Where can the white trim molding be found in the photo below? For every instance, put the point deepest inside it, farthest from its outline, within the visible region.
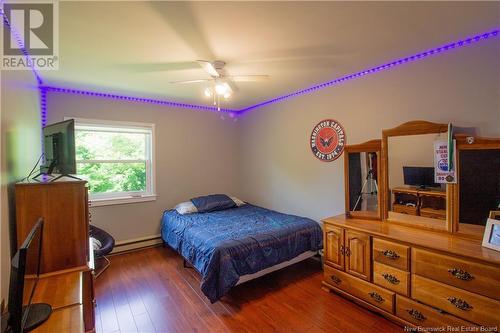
(116, 198)
(136, 243)
(128, 199)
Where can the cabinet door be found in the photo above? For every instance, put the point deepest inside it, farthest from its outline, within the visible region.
(358, 254)
(334, 243)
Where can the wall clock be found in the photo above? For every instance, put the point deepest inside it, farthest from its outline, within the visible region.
(328, 140)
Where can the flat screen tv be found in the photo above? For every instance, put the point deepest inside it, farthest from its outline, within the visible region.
(422, 177)
(59, 149)
(24, 315)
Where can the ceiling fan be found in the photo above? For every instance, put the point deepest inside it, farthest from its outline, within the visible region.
(222, 85)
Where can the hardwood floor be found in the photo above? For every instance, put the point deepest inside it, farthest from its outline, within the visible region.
(149, 291)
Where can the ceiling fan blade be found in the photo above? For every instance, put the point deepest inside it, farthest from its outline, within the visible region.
(248, 78)
(208, 67)
(182, 17)
(191, 81)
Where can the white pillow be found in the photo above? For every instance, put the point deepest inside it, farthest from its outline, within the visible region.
(186, 208)
(238, 202)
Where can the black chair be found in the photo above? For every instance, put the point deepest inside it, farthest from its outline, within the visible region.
(107, 244)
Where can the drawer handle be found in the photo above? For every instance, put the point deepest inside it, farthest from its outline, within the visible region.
(335, 279)
(376, 297)
(460, 303)
(460, 274)
(391, 278)
(342, 249)
(416, 314)
(347, 251)
(390, 254)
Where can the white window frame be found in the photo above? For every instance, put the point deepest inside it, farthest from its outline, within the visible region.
(115, 198)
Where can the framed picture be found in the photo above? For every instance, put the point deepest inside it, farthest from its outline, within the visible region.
(491, 238)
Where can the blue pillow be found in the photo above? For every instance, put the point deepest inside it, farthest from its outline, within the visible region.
(212, 203)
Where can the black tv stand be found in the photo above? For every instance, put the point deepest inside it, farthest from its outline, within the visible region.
(38, 314)
(49, 173)
(53, 178)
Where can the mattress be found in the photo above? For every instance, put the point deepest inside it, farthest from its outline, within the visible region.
(228, 244)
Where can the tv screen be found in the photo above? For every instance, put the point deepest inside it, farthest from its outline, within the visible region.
(25, 270)
(59, 148)
(419, 176)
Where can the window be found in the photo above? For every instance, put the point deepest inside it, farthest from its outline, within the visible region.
(117, 160)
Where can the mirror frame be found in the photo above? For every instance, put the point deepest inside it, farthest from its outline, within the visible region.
(369, 146)
(416, 127)
(479, 143)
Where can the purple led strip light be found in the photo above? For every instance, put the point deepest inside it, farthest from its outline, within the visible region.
(392, 64)
(43, 106)
(45, 89)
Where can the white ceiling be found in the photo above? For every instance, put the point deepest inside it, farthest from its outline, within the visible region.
(139, 47)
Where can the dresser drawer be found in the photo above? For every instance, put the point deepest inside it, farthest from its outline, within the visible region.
(391, 278)
(403, 209)
(366, 291)
(468, 275)
(423, 315)
(391, 253)
(471, 307)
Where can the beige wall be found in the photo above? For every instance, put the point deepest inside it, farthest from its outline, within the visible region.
(279, 170)
(20, 148)
(196, 154)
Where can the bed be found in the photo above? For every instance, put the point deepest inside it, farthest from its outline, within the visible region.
(230, 246)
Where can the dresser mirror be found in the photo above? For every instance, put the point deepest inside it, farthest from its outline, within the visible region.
(411, 194)
(478, 190)
(362, 180)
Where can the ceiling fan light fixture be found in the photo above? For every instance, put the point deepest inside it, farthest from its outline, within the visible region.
(221, 88)
(208, 92)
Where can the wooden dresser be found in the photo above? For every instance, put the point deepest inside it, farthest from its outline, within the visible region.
(415, 277)
(416, 256)
(67, 261)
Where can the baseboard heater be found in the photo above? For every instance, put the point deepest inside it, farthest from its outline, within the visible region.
(136, 243)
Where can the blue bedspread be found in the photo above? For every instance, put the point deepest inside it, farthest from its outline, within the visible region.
(227, 244)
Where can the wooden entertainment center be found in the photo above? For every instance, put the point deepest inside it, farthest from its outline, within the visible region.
(67, 262)
(412, 258)
(414, 201)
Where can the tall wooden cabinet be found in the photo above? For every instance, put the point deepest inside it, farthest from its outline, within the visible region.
(65, 244)
(63, 206)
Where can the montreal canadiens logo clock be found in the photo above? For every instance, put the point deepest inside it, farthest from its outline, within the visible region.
(328, 140)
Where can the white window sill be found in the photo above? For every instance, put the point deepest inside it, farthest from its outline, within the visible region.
(121, 200)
